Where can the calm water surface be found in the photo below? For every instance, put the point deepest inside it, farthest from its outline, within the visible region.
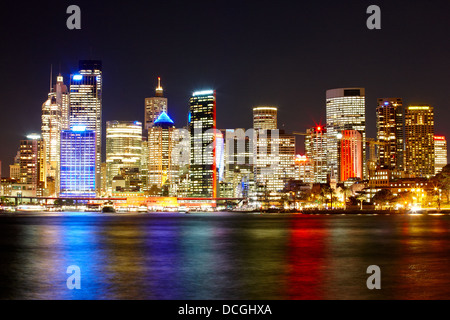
(223, 256)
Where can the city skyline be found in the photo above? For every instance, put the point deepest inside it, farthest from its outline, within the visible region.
(250, 63)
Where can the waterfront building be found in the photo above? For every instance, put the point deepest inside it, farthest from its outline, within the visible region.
(202, 128)
(238, 165)
(345, 110)
(316, 153)
(33, 164)
(162, 171)
(154, 106)
(419, 140)
(85, 108)
(440, 153)
(350, 155)
(274, 164)
(78, 163)
(390, 133)
(123, 148)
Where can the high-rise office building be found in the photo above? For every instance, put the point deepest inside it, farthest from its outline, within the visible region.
(350, 155)
(123, 148)
(85, 108)
(78, 163)
(154, 106)
(162, 169)
(274, 163)
(345, 110)
(238, 163)
(316, 153)
(265, 117)
(33, 164)
(54, 119)
(61, 94)
(440, 153)
(419, 140)
(202, 128)
(51, 133)
(390, 133)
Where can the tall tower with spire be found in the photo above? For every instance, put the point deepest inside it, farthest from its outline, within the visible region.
(154, 106)
(54, 119)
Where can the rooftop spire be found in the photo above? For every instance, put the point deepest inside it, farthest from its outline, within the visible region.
(159, 89)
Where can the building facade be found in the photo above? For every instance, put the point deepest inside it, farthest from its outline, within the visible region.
(85, 108)
(440, 153)
(350, 155)
(33, 165)
(78, 163)
(265, 117)
(419, 140)
(390, 133)
(202, 128)
(162, 169)
(345, 110)
(123, 149)
(316, 154)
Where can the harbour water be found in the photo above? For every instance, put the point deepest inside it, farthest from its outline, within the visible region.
(223, 256)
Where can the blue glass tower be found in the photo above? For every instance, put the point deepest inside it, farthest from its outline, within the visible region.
(78, 152)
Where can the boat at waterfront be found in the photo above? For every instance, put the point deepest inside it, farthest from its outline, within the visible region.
(108, 209)
(30, 208)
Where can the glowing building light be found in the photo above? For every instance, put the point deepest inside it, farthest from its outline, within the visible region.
(33, 136)
(77, 77)
(79, 128)
(202, 93)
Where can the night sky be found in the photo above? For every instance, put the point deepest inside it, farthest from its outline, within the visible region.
(252, 52)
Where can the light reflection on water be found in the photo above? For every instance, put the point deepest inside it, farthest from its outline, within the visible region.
(223, 256)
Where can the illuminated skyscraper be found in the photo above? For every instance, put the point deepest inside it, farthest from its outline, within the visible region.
(202, 126)
(274, 163)
(123, 148)
(78, 163)
(54, 119)
(316, 153)
(350, 155)
(419, 140)
(345, 111)
(154, 106)
(265, 117)
(162, 171)
(33, 164)
(440, 153)
(238, 162)
(390, 133)
(61, 94)
(85, 108)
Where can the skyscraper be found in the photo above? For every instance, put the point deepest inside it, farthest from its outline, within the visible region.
(265, 117)
(85, 108)
(61, 94)
(316, 153)
(202, 127)
(78, 163)
(350, 155)
(162, 170)
(123, 148)
(154, 106)
(33, 164)
(345, 109)
(419, 140)
(440, 153)
(390, 133)
(54, 119)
